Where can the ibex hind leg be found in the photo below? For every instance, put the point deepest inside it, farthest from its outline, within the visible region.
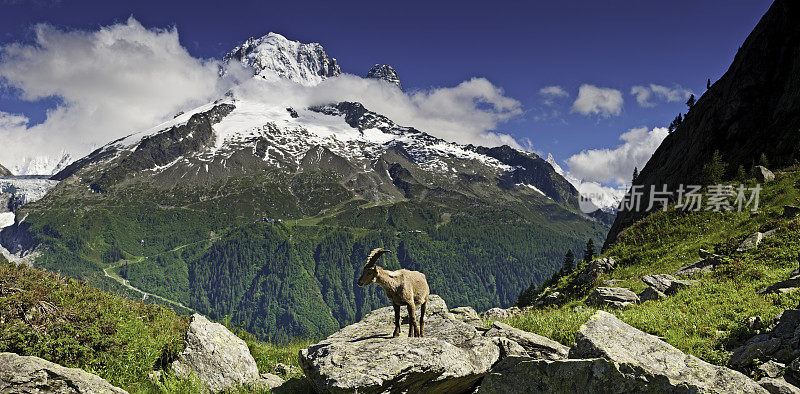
(413, 329)
(422, 309)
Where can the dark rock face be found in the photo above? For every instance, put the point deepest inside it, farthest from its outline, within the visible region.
(385, 73)
(753, 109)
(27, 374)
(531, 169)
(157, 150)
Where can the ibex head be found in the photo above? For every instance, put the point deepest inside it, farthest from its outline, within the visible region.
(370, 271)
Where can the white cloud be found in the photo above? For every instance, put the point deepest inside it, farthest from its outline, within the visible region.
(551, 93)
(124, 78)
(617, 164)
(465, 113)
(591, 99)
(109, 82)
(646, 94)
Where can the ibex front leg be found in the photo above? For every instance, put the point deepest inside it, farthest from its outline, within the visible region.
(413, 329)
(396, 321)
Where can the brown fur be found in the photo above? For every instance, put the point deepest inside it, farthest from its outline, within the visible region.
(402, 287)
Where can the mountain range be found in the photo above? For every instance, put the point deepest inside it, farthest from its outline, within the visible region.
(265, 213)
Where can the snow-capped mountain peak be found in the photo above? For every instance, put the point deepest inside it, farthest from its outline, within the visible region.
(593, 195)
(274, 56)
(386, 73)
(42, 165)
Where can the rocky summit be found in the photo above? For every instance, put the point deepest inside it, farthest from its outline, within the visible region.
(385, 73)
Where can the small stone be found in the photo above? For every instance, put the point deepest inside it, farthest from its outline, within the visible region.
(772, 369)
(270, 381)
(778, 386)
(750, 242)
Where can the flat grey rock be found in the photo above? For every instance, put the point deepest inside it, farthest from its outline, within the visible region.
(28, 374)
(665, 367)
(535, 345)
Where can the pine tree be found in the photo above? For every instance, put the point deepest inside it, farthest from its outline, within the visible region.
(708, 84)
(635, 173)
(714, 171)
(691, 101)
(741, 174)
(762, 161)
(588, 254)
(569, 262)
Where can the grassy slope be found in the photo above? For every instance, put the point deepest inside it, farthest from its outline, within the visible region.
(710, 319)
(70, 323)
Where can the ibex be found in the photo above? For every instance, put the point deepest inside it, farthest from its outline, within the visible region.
(402, 287)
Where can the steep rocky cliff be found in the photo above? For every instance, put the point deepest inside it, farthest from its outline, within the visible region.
(753, 109)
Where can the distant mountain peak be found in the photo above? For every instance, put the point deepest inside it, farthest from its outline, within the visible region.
(386, 73)
(273, 56)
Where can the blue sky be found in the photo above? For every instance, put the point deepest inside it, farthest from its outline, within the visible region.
(520, 48)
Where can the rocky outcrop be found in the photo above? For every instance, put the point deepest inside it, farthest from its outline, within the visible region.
(762, 174)
(4, 171)
(216, 356)
(615, 297)
(536, 346)
(753, 240)
(780, 344)
(451, 358)
(594, 271)
(753, 109)
(706, 264)
(26, 374)
(385, 73)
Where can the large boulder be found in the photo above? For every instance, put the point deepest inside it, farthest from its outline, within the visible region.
(216, 356)
(363, 357)
(536, 346)
(663, 367)
(762, 174)
(744, 356)
(615, 297)
(27, 374)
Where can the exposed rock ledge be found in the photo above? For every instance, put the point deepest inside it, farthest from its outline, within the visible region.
(451, 358)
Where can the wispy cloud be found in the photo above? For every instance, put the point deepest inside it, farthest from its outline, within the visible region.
(551, 93)
(648, 96)
(593, 100)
